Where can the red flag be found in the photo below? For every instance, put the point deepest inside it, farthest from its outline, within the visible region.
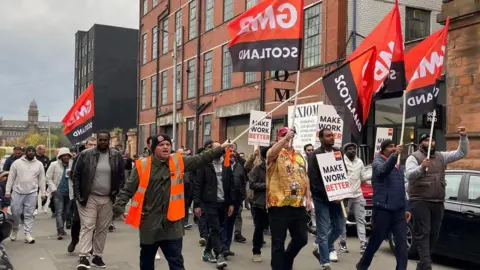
(424, 65)
(387, 37)
(226, 160)
(78, 120)
(268, 36)
(350, 89)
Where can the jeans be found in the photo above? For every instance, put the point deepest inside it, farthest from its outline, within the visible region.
(215, 214)
(227, 234)
(172, 250)
(260, 220)
(283, 219)
(188, 202)
(23, 204)
(203, 225)
(238, 221)
(385, 222)
(330, 224)
(428, 221)
(62, 206)
(358, 206)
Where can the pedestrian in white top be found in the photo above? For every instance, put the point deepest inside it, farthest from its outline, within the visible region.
(27, 175)
(356, 175)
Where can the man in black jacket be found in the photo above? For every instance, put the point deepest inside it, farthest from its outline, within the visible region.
(97, 178)
(17, 153)
(45, 162)
(214, 193)
(258, 184)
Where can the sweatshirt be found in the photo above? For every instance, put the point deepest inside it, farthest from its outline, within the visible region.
(26, 176)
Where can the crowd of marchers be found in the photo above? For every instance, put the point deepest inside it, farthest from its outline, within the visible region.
(93, 185)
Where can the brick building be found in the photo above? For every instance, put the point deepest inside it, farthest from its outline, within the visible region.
(220, 101)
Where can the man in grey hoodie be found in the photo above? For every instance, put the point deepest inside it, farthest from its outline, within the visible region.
(27, 174)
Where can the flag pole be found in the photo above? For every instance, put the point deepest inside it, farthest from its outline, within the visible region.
(295, 104)
(278, 107)
(402, 133)
(434, 117)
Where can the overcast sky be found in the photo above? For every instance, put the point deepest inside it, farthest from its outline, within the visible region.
(37, 42)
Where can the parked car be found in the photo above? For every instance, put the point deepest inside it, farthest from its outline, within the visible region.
(460, 234)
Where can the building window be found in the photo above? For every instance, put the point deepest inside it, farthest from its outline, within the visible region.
(417, 24)
(312, 36)
(191, 79)
(164, 87)
(144, 95)
(227, 10)
(226, 69)
(178, 27)
(207, 72)
(165, 36)
(207, 127)
(155, 42)
(154, 91)
(144, 48)
(209, 14)
(145, 7)
(178, 89)
(251, 3)
(280, 73)
(250, 77)
(154, 3)
(152, 129)
(192, 20)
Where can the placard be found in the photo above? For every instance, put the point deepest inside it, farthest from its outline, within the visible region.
(259, 135)
(306, 125)
(334, 176)
(329, 118)
(383, 134)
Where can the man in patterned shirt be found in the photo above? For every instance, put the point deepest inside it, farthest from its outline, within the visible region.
(287, 188)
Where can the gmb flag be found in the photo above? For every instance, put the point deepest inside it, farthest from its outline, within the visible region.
(79, 119)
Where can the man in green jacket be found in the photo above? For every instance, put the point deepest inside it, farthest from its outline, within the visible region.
(156, 231)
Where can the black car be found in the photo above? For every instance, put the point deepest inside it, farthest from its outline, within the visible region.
(460, 233)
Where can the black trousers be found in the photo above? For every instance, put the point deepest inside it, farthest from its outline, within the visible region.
(260, 220)
(215, 216)
(283, 219)
(75, 231)
(171, 249)
(385, 222)
(428, 221)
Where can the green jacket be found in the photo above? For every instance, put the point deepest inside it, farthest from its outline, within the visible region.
(154, 225)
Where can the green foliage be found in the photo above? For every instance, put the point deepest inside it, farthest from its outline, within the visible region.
(3, 152)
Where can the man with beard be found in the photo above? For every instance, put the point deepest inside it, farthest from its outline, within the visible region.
(27, 176)
(46, 162)
(97, 178)
(426, 191)
(17, 153)
(389, 206)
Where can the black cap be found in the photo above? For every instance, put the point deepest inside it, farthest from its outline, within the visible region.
(424, 137)
(385, 144)
(207, 144)
(31, 148)
(157, 139)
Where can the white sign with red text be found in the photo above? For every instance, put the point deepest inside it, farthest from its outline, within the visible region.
(334, 176)
(383, 134)
(259, 135)
(329, 118)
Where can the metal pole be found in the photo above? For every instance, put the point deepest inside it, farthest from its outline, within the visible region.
(174, 117)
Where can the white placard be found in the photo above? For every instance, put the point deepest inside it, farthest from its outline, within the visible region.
(259, 135)
(305, 125)
(329, 118)
(382, 135)
(334, 176)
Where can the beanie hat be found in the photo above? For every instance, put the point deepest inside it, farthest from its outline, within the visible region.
(31, 148)
(207, 143)
(159, 138)
(385, 144)
(424, 137)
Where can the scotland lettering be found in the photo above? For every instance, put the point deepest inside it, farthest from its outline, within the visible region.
(346, 96)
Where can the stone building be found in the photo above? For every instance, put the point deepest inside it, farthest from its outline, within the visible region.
(11, 130)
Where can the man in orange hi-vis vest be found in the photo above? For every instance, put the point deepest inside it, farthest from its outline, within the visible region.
(158, 200)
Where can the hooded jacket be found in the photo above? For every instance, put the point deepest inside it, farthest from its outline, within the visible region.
(356, 173)
(55, 173)
(26, 177)
(388, 183)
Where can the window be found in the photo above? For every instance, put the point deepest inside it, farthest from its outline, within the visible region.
(178, 27)
(474, 189)
(251, 3)
(165, 36)
(191, 79)
(155, 42)
(144, 95)
(250, 77)
(145, 7)
(154, 91)
(144, 48)
(226, 69)
(280, 73)
(178, 89)
(152, 129)
(417, 24)
(453, 185)
(154, 3)
(164, 87)
(192, 20)
(227, 10)
(207, 127)
(312, 36)
(207, 72)
(209, 14)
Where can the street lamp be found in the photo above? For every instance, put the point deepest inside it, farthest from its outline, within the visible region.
(49, 136)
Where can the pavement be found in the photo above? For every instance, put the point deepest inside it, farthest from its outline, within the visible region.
(122, 252)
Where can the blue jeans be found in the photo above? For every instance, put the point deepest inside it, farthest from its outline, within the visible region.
(330, 223)
(227, 234)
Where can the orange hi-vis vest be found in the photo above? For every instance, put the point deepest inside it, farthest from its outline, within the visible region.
(176, 205)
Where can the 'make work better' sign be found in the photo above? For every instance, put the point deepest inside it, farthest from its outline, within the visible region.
(334, 176)
(260, 133)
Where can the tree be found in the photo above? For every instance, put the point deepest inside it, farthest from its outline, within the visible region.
(63, 141)
(34, 138)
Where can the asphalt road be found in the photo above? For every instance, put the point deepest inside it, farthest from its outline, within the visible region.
(122, 252)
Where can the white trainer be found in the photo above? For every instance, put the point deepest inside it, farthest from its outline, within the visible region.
(13, 235)
(29, 239)
(333, 256)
